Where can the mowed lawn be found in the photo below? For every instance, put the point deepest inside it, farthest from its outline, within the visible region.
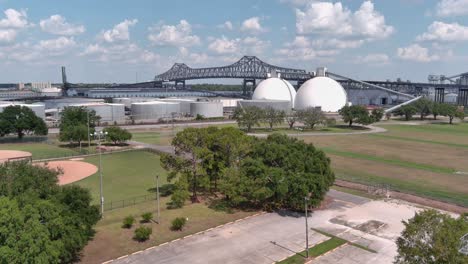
(419, 159)
(125, 175)
(155, 138)
(112, 241)
(40, 150)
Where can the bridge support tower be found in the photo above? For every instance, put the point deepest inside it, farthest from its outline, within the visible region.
(463, 97)
(246, 84)
(180, 82)
(439, 95)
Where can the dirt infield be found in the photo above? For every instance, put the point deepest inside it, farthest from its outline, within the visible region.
(6, 155)
(72, 170)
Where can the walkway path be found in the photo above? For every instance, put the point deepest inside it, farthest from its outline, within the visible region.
(372, 129)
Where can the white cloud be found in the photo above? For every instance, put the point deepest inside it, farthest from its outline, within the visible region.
(375, 59)
(14, 19)
(447, 8)
(174, 35)
(58, 44)
(7, 35)
(119, 32)
(440, 31)
(239, 46)
(226, 25)
(252, 25)
(336, 43)
(56, 24)
(123, 52)
(334, 19)
(417, 53)
(224, 45)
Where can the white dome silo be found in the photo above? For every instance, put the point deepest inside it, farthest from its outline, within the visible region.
(321, 92)
(275, 89)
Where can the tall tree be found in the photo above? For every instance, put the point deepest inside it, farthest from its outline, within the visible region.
(435, 109)
(377, 114)
(450, 111)
(311, 116)
(248, 116)
(355, 114)
(432, 237)
(273, 116)
(407, 111)
(20, 120)
(423, 107)
(117, 134)
(292, 118)
(72, 121)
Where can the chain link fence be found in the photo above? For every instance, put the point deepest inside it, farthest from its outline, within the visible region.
(129, 202)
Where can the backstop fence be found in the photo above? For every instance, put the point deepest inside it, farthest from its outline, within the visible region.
(129, 201)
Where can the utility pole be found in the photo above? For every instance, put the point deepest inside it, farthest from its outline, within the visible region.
(89, 140)
(306, 199)
(157, 198)
(100, 135)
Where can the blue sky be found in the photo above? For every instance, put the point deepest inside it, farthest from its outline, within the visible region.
(121, 41)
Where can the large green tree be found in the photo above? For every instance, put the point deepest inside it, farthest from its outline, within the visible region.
(423, 107)
(41, 222)
(21, 120)
(278, 173)
(117, 134)
(451, 111)
(292, 118)
(248, 117)
(73, 120)
(432, 237)
(407, 111)
(355, 114)
(311, 116)
(273, 116)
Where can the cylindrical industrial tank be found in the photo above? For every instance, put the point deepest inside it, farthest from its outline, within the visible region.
(154, 110)
(206, 109)
(183, 102)
(282, 105)
(125, 101)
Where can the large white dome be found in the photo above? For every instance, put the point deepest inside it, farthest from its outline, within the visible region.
(321, 92)
(275, 89)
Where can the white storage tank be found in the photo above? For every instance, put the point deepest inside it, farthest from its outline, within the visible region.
(183, 102)
(206, 109)
(282, 105)
(107, 112)
(154, 110)
(322, 92)
(127, 102)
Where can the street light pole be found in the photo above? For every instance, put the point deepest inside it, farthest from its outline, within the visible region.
(89, 140)
(99, 135)
(157, 196)
(306, 199)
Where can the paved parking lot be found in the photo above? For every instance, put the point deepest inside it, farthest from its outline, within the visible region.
(274, 236)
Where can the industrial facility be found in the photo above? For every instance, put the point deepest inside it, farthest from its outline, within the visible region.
(264, 85)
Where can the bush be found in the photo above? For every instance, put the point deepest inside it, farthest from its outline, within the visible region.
(166, 189)
(178, 223)
(142, 233)
(146, 217)
(330, 122)
(199, 117)
(128, 221)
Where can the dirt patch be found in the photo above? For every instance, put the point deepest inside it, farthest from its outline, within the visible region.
(8, 155)
(72, 171)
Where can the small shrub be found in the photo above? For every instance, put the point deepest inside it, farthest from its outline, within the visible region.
(178, 223)
(142, 233)
(146, 217)
(199, 117)
(128, 221)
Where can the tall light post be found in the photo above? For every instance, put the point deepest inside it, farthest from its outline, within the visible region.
(89, 140)
(100, 135)
(306, 200)
(157, 197)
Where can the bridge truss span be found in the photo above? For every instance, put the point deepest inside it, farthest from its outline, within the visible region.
(248, 67)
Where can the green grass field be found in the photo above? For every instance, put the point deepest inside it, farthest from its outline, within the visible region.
(417, 159)
(125, 175)
(318, 129)
(41, 150)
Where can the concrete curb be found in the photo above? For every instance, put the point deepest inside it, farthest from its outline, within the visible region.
(182, 238)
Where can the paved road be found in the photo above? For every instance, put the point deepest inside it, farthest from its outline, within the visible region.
(262, 239)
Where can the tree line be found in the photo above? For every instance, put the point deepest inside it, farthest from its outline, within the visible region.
(276, 172)
(40, 221)
(250, 117)
(425, 107)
